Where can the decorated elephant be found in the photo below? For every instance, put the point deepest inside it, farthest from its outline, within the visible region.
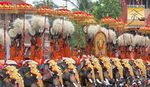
(70, 73)
(128, 73)
(52, 74)
(97, 71)
(87, 73)
(142, 75)
(107, 71)
(11, 77)
(32, 77)
(118, 72)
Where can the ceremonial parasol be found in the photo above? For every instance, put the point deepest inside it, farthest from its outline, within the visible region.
(6, 8)
(25, 8)
(145, 30)
(63, 12)
(46, 11)
(90, 19)
(79, 17)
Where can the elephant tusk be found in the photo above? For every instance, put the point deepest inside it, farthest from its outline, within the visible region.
(98, 81)
(75, 84)
(91, 80)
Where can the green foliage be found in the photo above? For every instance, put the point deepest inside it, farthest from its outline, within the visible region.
(103, 8)
(48, 3)
(85, 5)
(74, 41)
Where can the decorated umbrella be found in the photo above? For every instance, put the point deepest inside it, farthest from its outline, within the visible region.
(23, 8)
(106, 20)
(90, 19)
(112, 23)
(40, 24)
(146, 31)
(63, 12)
(117, 24)
(90, 28)
(6, 8)
(46, 11)
(62, 29)
(79, 17)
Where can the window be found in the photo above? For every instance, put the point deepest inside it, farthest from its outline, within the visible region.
(146, 3)
(131, 2)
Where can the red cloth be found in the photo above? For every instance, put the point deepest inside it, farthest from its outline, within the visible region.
(32, 52)
(2, 52)
(39, 42)
(67, 50)
(75, 57)
(12, 52)
(88, 49)
(21, 53)
(135, 55)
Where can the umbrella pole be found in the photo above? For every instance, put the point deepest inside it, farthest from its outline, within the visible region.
(4, 23)
(44, 35)
(23, 34)
(109, 48)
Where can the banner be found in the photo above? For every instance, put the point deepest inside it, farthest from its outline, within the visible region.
(135, 15)
(135, 12)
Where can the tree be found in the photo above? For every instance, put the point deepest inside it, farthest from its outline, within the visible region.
(48, 3)
(103, 8)
(82, 5)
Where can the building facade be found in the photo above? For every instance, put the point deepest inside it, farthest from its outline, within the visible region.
(136, 3)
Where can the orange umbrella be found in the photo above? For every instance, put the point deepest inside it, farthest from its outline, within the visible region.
(106, 20)
(63, 12)
(79, 16)
(145, 30)
(7, 7)
(25, 8)
(90, 19)
(45, 11)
